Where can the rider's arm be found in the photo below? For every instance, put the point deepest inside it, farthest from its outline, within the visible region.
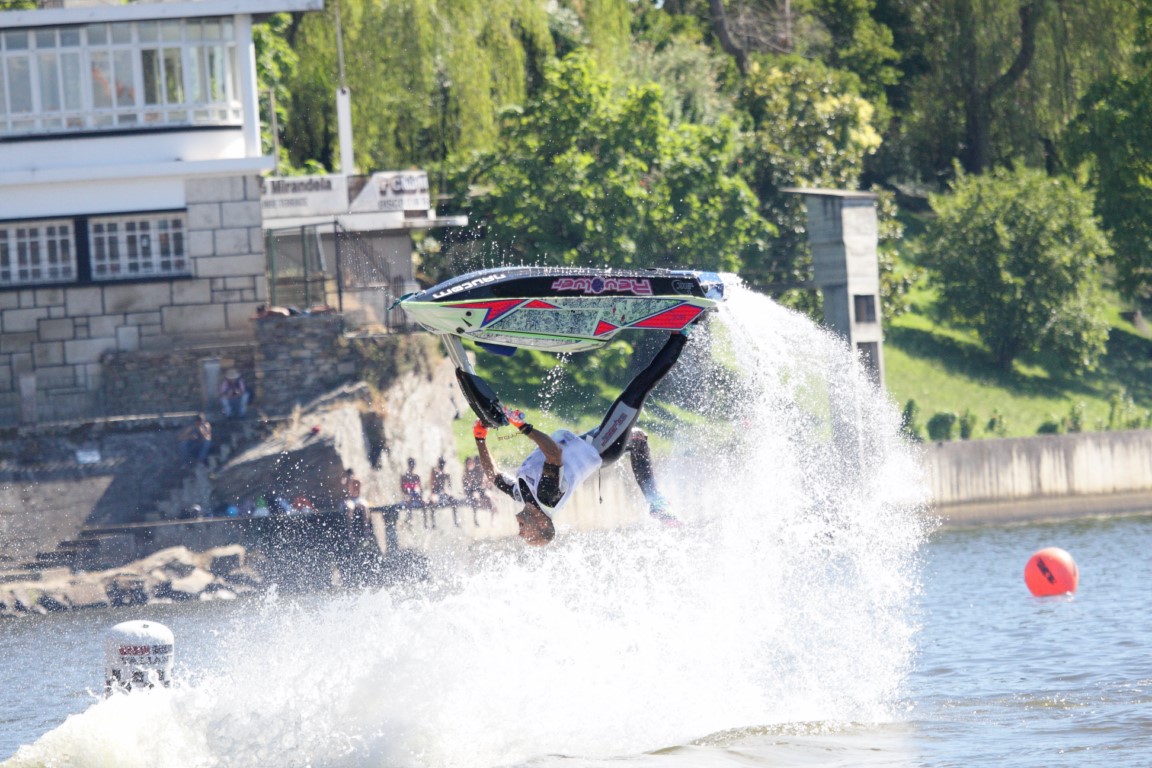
(553, 453)
(499, 480)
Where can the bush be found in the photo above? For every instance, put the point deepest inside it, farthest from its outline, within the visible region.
(1017, 256)
(1075, 420)
(1124, 414)
(941, 426)
(967, 424)
(910, 422)
(1050, 427)
(996, 425)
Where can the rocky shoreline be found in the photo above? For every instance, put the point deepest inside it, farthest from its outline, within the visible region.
(169, 575)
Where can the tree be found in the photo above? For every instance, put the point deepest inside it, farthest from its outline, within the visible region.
(810, 128)
(668, 50)
(584, 175)
(1016, 256)
(1001, 80)
(844, 34)
(275, 67)
(428, 77)
(1113, 137)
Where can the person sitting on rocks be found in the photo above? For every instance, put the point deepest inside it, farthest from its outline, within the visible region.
(233, 395)
(355, 510)
(439, 484)
(196, 440)
(413, 493)
(476, 485)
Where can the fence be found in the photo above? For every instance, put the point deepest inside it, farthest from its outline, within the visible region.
(360, 274)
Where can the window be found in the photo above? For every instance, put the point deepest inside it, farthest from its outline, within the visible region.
(865, 308)
(131, 247)
(33, 253)
(97, 76)
(126, 247)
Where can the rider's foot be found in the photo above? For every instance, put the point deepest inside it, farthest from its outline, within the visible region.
(658, 508)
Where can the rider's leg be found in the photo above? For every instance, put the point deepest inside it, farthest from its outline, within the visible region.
(641, 458)
(611, 437)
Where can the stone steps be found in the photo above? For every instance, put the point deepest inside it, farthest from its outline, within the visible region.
(185, 486)
(18, 576)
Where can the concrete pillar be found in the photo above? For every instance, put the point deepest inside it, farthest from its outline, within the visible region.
(843, 235)
(211, 383)
(28, 398)
(248, 84)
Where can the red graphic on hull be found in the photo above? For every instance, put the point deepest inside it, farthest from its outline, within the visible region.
(537, 304)
(671, 319)
(603, 328)
(493, 310)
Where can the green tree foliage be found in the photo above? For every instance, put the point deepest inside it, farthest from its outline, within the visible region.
(810, 128)
(428, 77)
(860, 44)
(275, 68)
(608, 23)
(1000, 80)
(1016, 256)
(845, 34)
(584, 175)
(1113, 135)
(668, 50)
(967, 424)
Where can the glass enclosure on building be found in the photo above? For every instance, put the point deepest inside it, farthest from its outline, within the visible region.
(118, 75)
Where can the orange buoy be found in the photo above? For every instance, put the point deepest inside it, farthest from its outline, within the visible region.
(1051, 571)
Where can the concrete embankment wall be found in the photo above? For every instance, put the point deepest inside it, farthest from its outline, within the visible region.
(1047, 476)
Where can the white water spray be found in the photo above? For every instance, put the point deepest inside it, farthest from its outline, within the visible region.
(786, 599)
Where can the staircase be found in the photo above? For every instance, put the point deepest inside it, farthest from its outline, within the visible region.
(175, 487)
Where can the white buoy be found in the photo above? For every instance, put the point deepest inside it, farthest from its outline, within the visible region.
(137, 654)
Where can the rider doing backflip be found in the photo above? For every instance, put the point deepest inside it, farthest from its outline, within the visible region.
(562, 460)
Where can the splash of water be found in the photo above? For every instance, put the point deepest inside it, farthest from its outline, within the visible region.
(785, 599)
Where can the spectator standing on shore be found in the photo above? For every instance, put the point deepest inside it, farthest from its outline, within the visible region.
(196, 440)
(355, 510)
(439, 484)
(233, 395)
(476, 486)
(413, 493)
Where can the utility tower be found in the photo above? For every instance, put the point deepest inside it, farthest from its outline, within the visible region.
(843, 235)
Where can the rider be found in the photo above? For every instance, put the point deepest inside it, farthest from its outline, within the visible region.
(561, 461)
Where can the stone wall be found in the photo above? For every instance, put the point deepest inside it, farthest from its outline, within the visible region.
(1094, 472)
(56, 342)
(300, 358)
(173, 380)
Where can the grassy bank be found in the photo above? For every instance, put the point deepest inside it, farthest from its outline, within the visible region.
(945, 369)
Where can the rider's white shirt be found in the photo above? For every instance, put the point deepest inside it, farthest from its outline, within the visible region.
(578, 461)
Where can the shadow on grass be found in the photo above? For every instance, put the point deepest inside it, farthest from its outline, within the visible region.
(1126, 364)
(960, 358)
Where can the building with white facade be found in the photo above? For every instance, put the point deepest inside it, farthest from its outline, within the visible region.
(130, 192)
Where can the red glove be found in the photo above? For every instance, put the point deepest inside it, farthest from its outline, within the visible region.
(518, 419)
(479, 431)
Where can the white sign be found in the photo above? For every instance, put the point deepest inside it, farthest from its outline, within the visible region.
(87, 456)
(304, 196)
(395, 191)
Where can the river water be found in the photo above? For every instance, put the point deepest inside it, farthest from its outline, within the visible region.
(809, 613)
